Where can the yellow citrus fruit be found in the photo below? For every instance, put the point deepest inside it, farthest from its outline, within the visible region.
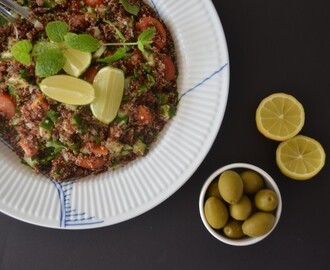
(109, 89)
(280, 117)
(300, 157)
(76, 61)
(68, 89)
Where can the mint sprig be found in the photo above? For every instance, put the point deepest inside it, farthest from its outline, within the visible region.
(144, 40)
(50, 59)
(56, 31)
(21, 51)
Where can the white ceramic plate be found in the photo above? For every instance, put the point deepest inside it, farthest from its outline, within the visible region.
(117, 196)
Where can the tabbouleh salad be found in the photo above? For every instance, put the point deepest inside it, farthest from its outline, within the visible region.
(65, 141)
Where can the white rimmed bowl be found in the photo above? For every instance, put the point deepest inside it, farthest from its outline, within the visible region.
(269, 184)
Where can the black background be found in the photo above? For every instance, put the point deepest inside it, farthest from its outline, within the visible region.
(274, 46)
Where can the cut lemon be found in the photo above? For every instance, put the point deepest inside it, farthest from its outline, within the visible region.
(76, 61)
(68, 89)
(280, 117)
(109, 88)
(300, 157)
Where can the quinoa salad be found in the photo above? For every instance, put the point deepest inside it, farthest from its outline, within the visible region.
(76, 41)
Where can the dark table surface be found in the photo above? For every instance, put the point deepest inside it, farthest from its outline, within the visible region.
(273, 46)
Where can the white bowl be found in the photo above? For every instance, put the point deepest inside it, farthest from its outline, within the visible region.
(269, 183)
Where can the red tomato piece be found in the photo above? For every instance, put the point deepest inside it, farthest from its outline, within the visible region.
(90, 162)
(29, 149)
(145, 116)
(93, 3)
(146, 22)
(169, 72)
(7, 105)
(95, 149)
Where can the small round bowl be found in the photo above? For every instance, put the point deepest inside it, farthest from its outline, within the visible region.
(269, 184)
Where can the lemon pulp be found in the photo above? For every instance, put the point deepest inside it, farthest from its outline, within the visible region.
(68, 89)
(109, 87)
(300, 158)
(280, 116)
(76, 61)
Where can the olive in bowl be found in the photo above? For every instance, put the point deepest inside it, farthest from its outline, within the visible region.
(240, 204)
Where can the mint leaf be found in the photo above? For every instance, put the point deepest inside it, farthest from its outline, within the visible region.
(119, 54)
(21, 51)
(56, 145)
(50, 63)
(82, 42)
(130, 8)
(56, 30)
(145, 39)
(42, 47)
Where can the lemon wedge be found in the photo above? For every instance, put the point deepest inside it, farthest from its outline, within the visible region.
(68, 89)
(109, 88)
(280, 117)
(300, 157)
(76, 61)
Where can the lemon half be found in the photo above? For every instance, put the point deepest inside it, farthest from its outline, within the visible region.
(109, 88)
(300, 157)
(76, 61)
(280, 116)
(68, 89)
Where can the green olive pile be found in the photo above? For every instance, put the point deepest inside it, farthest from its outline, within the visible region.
(240, 205)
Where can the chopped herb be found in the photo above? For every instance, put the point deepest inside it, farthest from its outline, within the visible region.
(167, 111)
(56, 145)
(46, 124)
(130, 8)
(121, 119)
(52, 115)
(79, 123)
(136, 73)
(49, 120)
(151, 79)
(140, 148)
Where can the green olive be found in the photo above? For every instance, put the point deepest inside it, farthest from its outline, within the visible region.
(216, 213)
(266, 200)
(242, 209)
(213, 190)
(230, 186)
(252, 181)
(258, 224)
(233, 229)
